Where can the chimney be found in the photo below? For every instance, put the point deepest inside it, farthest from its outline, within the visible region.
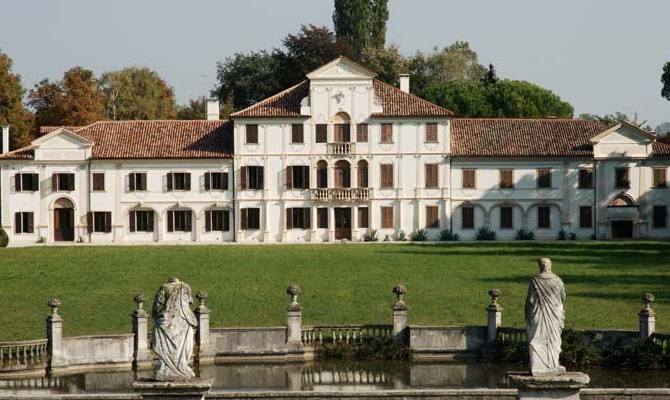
(212, 110)
(5, 139)
(404, 82)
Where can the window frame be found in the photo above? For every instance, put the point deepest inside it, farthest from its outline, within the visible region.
(431, 132)
(93, 182)
(362, 133)
(435, 181)
(432, 222)
(622, 184)
(659, 221)
(464, 180)
(363, 217)
(132, 177)
(544, 178)
(172, 181)
(297, 134)
(322, 218)
(383, 176)
(20, 184)
(385, 224)
(470, 217)
(501, 183)
(71, 185)
(582, 217)
(661, 183)
(321, 133)
(212, 222)
(135, 227)
(541, 218)
(173, 221)
(209, 181)
(24, 222)
(99, 222)
(246, 177)
(246, 218)
(249, 134)
(298, 174)
(386, 133)
(504, 217)
(298, 218)
(582, 176)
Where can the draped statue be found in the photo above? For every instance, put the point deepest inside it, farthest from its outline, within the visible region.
(544, 321)
(174, 327)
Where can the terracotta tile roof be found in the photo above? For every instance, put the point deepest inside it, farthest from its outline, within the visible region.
(152, 139)
(661, 148)
(394, 101)
(511, 137)
(48, 129)
(24, 153)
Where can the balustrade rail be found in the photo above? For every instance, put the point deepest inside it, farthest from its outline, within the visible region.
(341, 149)
(346, 194)
(663, 341)
(511, 335)
(312, 376)
(30, 354)
(318, 335)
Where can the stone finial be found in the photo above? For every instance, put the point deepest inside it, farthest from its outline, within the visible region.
(202, 297)
(494, 305)
(54, 303)
(293, 291)
(139, 305)
(400, 291)
(647, 299)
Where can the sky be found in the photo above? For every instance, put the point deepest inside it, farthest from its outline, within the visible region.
(602, 56)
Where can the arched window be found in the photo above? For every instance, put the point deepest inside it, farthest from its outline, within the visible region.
(342, 123)
(342, 174)
(362, 174)
(322, 174)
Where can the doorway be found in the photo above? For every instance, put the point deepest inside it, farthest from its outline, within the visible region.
(343, 223)
(622, 229)
(63, 221)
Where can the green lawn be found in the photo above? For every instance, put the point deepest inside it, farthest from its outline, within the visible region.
(352, 283)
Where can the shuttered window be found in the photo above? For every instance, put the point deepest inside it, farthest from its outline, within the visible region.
(362, 175)
(506, 217)
(431, 175)
(660, 180)
(362, 133)
(467, 217)
(137, 181)
(585, 217)
(217, 220)
(24, 222)
(543, 217)
(297, 177)
(585, 178)
(216, 181)
(178, 181)
(321, 175)
(387, 217)
(432, 217)
(506, 179)
(387, 133)
(544, 178)
(469, 179)
(342, 133)
(298, 218)
(322, 217)
(386, 175)
(98, 181)
(431, 133)
(251, 136)
(297, 133)
(621, 180)
(99, 221)
(251, 177)
(141, 221)
(180, 221)
(24, 182)
(62, 182)
(250, 219)
(321, 133)
(363, 217)
(660, 217)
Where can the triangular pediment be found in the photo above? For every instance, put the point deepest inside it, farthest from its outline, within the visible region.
(624, 133)
(341, 68)
(62, 138)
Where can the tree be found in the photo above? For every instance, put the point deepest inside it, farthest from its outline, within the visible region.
(380, 16)
(73, 101)
(663, 129)
(490, 77)
(195, 109)
(618, 117)
(362, 23)
(137, 93)
(12, 110)
(245, 79)
(464, 98)
(665, 79)
(387, 63)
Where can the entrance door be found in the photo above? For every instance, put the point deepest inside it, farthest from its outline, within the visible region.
(343, 223)
(622, 229)
(63, 224)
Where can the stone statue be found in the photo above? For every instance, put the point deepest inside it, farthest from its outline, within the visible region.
(544, 321)
(174, 327)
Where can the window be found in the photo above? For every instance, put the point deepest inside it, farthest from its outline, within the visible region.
(621, 178)
(543, 217)
(99, 221)
(362, 133)
(660, 217)
(217, 220)
(297, 177)
(141, 221)
(506, 214)
(585, 217)
(251, 219)
(26, 182)
(251, 177)
(660, 178)
(469, 181)
(216, 181)
(431, 175)
(432, 217)
(544, 178)
(24, 222)
(342, 133)
(506, 179)
(321, 133)
(98, 181)
(297, 133)
(431, 133)
(468, 217)
(322, 218)
(137, 181)
(363, 217)
(62, 182)
(387, 217)
(179, 221)
(387, 133)
(322, 174)
(252, 134)
(362, 174)
(178, 181)
(585, 178)
(386, 176)
(298, 218)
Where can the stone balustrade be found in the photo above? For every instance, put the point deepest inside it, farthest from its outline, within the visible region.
(340, 194)
(341, 149)
(23, 355)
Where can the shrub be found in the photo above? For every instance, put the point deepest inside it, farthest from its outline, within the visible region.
(400, 236)
(420, 235)
(369, 348)
(639, 354)
(447, 236)
(370, 236)
(523, 234)
(572, 236)
(387, 238)
(577, 351)
(485, 233)
(4, 239)
(562, 235)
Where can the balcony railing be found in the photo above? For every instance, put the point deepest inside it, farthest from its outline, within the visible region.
(341, 149)
(346, 194)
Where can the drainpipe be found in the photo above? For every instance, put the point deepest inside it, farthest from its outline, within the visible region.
(595, 199)
(88, 206)
(233, 219)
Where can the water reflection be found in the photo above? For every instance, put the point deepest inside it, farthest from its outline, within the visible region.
(328, 376)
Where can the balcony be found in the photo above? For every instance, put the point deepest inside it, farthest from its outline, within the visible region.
(341, 194)
(341, 149)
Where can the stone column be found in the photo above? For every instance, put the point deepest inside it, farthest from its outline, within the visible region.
(205, 349)
(494, 313)
(399, 313)
(294, 318)
(55, 337)
(141, 355)
(647, 316)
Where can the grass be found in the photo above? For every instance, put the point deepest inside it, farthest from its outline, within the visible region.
(447, 283)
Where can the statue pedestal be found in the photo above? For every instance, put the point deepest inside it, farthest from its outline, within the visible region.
(555, 387)
(194, 389)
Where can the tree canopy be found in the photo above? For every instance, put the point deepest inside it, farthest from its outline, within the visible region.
(609, 120)
(665, 79)
(12, 110)
(361, 23)
(137, 93)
